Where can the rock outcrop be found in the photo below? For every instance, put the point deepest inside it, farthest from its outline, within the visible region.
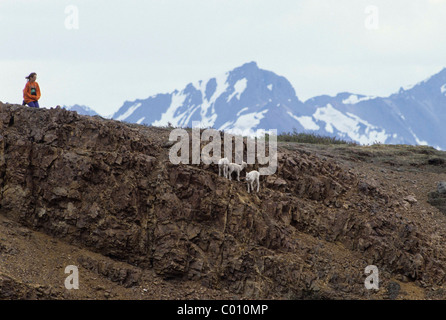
(438, 198)
(108, 186)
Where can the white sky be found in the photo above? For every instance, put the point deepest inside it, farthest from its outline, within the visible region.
(124, 50)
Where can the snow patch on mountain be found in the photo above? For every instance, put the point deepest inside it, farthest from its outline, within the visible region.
(349, 125)
(420, 142)
(239, 88)
(250, 120)
(221, 87)
(210, 90)
(169, 116)
(305, 121)
(129, 112)
(354, 99)
(245, 125)
(241, 111)
(443, 89)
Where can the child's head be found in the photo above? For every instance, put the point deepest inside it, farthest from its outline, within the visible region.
(32, 76)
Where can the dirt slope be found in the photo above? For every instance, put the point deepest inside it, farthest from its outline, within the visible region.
(102, 195)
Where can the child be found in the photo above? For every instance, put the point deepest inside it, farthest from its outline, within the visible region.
(31, 93)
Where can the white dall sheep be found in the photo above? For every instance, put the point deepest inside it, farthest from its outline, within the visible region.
(252, 177)
(237, 168)
(223, 164)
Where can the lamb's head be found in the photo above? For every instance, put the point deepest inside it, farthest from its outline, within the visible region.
(244, 164)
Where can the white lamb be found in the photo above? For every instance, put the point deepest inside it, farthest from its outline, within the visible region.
(252, 177)
(237, 168)
(223, 164)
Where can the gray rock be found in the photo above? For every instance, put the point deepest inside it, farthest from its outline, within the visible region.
(393, 290)
(441, 187)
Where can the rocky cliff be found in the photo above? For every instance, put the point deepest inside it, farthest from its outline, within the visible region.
(107, 190)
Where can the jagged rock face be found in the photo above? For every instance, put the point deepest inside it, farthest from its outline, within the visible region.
(109, 187)
(438, 198)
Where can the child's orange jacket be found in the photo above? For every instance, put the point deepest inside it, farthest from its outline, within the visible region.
(30, 88)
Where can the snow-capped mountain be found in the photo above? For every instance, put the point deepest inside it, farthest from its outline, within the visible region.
(414, 115)
(248, 98)
(84, 110)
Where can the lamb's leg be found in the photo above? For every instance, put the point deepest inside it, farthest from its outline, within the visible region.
(219, 170)
(238, 175)
(248, 187)
(258, 184)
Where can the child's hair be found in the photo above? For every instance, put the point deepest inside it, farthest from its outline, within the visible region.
(30, 75)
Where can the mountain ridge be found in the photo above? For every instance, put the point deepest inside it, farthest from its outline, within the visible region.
(248, 98)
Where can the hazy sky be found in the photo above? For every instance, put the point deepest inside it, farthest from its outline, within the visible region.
(102, 52)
